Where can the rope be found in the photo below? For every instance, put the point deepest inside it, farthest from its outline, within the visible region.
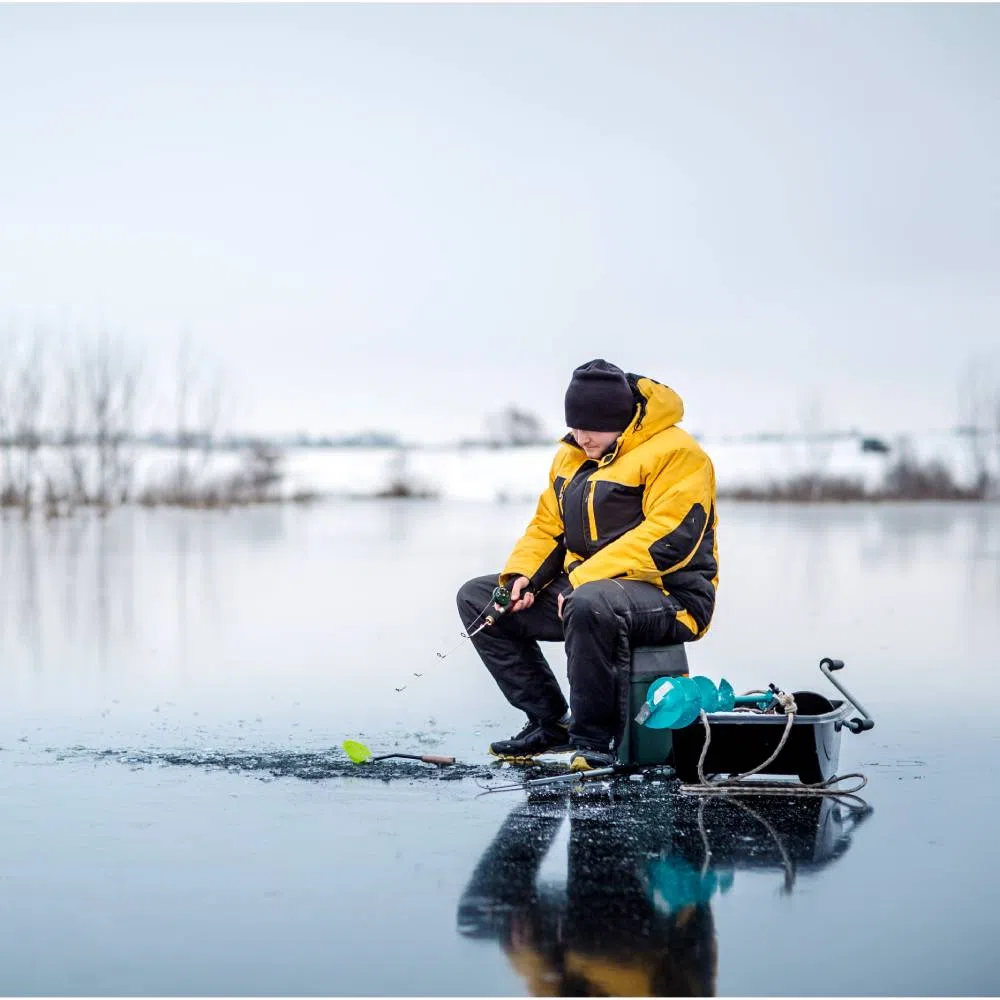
(786, 861)
(706, 846)
(823, 788)
(787, 703)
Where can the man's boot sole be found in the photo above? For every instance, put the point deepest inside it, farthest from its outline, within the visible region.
(527, 758)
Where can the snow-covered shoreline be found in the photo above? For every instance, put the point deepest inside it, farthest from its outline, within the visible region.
(518, 474)
(521, 473)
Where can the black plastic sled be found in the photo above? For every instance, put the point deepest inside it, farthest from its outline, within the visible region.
(740, 741)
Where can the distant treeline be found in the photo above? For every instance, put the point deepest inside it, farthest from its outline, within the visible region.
(73, 413)
(195, 439)
(904, 478)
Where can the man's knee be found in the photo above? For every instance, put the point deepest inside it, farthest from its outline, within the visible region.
(592, 602)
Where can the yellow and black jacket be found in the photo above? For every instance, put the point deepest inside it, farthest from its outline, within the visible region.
(645, 511)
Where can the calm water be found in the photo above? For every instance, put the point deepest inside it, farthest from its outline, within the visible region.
(261, 639)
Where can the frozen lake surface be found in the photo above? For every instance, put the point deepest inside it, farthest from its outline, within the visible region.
(169, 679)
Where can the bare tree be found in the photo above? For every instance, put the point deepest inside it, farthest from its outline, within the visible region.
(111, 380)
(29, 399)
(22, 399)
(973, 402)
(198, 405)
(818, 442)
(209, 403)
(262, 472)
(514, 427)
(995, 407)
(8, 346)
(182, 389)
(402, 484)
(70, 427)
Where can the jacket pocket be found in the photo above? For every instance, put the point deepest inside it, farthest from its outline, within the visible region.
(617, 508)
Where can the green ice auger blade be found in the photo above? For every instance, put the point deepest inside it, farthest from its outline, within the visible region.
(358, 752)
(727, 697)
(671, 703)
(708, 693)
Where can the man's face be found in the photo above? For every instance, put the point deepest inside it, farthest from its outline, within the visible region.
(594, 443)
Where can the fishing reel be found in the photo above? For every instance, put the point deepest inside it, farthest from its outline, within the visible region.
(500, 602)
(501, 605)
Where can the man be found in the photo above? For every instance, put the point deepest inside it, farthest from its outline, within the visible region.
(621, 552)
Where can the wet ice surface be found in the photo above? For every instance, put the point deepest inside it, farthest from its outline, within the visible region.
(178, 817)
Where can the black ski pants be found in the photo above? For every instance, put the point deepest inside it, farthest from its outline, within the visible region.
(601, 623)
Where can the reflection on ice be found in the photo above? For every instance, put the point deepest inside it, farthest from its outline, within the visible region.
(632, 915)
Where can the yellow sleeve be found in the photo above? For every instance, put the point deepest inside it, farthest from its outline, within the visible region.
(540, 552)
(678, 499)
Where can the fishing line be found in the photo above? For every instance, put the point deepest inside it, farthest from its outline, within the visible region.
(467, 635)
(500, 602)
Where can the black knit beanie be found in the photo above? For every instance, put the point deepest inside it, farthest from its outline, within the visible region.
(599, 398)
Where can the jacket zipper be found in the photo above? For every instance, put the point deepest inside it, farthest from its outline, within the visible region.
(588, 513)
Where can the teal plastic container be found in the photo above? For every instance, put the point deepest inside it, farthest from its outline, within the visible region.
(641, 745)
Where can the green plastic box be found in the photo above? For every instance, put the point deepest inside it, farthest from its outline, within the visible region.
(640, 745)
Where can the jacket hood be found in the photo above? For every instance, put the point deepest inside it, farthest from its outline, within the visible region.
(659, 408)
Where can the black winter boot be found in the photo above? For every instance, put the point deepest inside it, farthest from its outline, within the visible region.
(535, 738)
(590, 759)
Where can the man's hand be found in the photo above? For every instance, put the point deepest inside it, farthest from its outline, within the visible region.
(559, 604)
(520, 598)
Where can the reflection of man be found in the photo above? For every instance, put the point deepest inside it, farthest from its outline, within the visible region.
(603, 935)
(633, 918)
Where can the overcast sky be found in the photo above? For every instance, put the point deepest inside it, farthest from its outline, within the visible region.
(406, 216)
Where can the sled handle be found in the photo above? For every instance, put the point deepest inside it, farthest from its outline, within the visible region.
(827, 666)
